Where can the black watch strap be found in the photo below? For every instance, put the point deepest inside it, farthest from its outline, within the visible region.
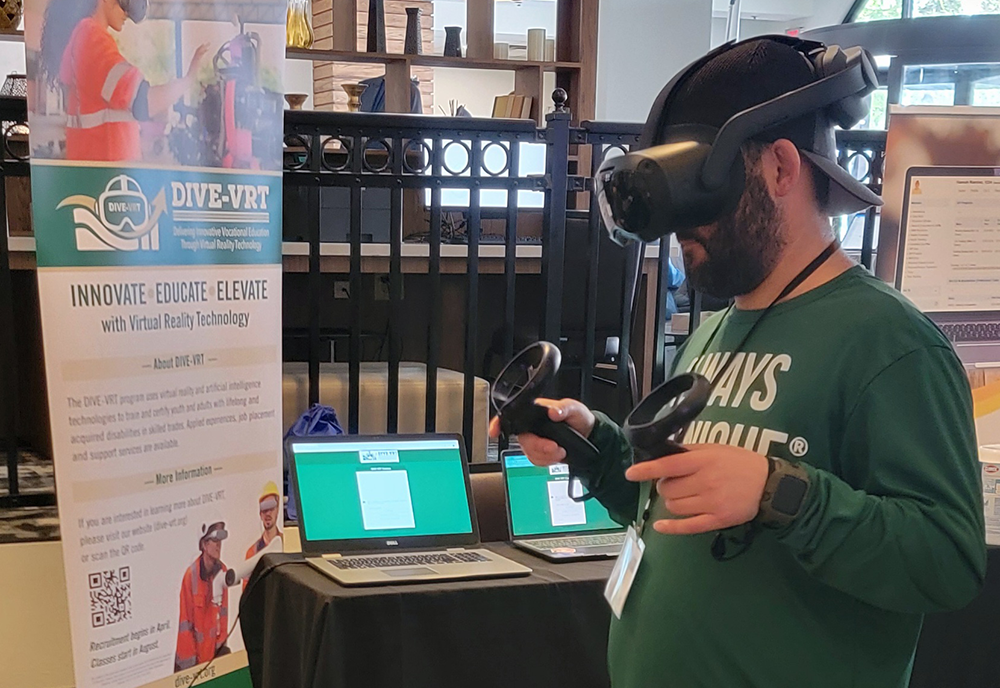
(784, 494)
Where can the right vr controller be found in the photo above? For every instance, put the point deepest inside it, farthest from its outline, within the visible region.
(653, 425)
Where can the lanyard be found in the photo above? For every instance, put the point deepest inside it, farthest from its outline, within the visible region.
(805, 274)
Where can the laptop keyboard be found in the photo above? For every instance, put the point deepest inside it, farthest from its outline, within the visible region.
(582, 541)
(380, 562)
(972, 332)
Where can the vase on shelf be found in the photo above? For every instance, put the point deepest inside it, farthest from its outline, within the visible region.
(354, 92)
(536, 45)
(414, 36)
(296, 100)
(298, 27)
(453, 41)
(376, 26)
(10, 14)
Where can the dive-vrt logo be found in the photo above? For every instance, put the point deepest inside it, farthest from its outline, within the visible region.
(120, 219)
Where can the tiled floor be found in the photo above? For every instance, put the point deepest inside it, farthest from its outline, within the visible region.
(35, 474)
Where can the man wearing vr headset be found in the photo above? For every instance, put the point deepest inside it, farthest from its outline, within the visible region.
(829, 496)
(106, 96)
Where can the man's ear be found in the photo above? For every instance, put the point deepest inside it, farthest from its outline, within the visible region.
(784, 167)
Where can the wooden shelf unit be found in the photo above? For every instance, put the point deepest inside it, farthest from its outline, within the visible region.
(426, 60)
(575, 67)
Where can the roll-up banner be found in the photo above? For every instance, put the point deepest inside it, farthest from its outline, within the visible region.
(155, 132)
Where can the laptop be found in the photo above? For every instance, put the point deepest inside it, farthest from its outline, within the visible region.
(949, 257)
(389, 509)
(545, 521)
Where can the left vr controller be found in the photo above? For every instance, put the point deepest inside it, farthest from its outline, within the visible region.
(527, 378)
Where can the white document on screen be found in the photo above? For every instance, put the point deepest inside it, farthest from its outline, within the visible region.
(565, 511)
(385, 500)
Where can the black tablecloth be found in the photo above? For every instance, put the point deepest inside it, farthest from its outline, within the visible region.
(303, 630)
(549, 629)
(961, 649)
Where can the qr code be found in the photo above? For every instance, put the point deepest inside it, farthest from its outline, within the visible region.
(110, 597)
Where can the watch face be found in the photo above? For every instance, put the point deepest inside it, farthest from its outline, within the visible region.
(789, 495)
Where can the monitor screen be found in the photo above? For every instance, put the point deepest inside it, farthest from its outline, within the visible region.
(540, 503)
(381, 489)
(951, 254)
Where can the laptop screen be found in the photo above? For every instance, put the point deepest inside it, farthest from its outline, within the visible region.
(950, 258)
(539, 501)
(381, 488)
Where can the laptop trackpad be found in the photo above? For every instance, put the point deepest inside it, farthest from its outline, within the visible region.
(405, 573)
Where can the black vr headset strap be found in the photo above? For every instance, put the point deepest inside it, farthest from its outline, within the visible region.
(814, 97)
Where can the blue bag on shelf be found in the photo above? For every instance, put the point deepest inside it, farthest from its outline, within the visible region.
(319, 420)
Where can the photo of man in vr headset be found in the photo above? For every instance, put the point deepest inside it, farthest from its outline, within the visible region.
(827, 495)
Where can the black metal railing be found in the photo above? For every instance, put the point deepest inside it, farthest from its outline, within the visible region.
(601, 140)
(13, 164)
(862, 153)
(405, 154)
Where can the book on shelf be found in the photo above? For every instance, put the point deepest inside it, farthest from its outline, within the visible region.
(526, 107)
(500, 106)
(512, 106)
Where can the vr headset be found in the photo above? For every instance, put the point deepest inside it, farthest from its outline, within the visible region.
(135, 9)
(695, 174)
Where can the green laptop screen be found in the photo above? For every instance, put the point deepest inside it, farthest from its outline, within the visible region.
(377, 489)
(540, 503)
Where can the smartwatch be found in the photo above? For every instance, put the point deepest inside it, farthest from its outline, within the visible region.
(784, 493)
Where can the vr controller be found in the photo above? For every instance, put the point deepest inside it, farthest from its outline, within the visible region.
(650, 428)
(526, 378)
(654, 424)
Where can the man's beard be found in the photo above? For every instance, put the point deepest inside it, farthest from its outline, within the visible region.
(743, 249)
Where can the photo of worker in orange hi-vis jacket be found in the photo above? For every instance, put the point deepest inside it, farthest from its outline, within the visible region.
(204, 614)
(271, 539)
(105, 96)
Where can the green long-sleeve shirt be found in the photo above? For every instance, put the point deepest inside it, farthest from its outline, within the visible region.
(856, 385)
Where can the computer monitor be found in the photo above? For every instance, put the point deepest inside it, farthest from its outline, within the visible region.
(539, 503)
(361, 492)
(949, 257)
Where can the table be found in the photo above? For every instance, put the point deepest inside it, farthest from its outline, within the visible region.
(960, 649)
(547, 629)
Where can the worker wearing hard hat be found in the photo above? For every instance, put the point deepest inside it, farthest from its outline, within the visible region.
(204, 618)
(268, 504)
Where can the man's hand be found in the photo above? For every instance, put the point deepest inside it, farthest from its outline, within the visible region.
(196, 59)
(709, 487)
(545, 452)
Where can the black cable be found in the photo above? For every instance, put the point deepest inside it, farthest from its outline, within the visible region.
(232, 628)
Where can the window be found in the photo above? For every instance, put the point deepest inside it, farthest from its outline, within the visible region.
(876, 116)
(944, 8)
(875, 10)
(952, 84)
